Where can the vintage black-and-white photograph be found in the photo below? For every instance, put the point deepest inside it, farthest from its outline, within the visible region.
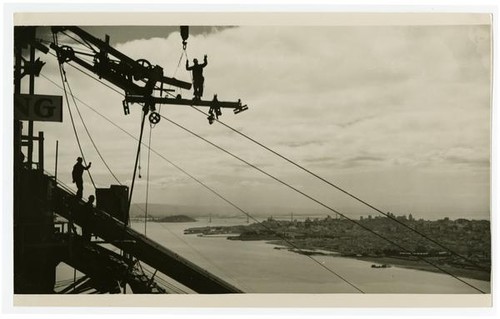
(347, 157)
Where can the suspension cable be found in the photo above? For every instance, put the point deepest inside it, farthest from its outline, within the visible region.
(325, 205)
(243, 286)
(319, 202)
(180, 239)
(64, 80)
(66, 188)
(147, 180)
(220, 196)
(364, 227)
(79, 41)
(471, 262)
(91, 76)
(90, 136)
(137, 157)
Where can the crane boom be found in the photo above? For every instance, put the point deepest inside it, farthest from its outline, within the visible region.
(141, 81)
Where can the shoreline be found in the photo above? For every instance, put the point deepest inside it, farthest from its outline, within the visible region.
(445, 266)
(396, 262)
(423, 266)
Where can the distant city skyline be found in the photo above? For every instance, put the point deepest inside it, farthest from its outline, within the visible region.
(397, 115)
(282, 213)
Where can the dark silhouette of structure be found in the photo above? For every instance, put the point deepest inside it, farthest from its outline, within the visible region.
(77, 175)
(46, 211)
(198, 78)
(86, 234)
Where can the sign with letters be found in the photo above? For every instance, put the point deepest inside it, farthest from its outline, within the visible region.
(35, 107)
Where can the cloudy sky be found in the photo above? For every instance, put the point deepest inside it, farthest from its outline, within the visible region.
(398, 115)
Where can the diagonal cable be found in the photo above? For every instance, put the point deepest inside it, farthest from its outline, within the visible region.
(90, 136)
(364, 227)
(319, 202)
(64, 80)
(218, 194)
(471, 262)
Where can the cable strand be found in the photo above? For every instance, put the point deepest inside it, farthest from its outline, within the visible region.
(217, 194)
(444, 271)
(90, 136)
(471, 262)
(319, 202)
(147, 181)
(64, 80)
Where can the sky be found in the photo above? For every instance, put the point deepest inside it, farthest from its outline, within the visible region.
(398, 115)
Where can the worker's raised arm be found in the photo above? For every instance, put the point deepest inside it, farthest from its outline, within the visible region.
(205, 61)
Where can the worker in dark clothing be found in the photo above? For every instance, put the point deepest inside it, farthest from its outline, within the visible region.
(20, 160)
(77, 174)
(86, 234)
(198, 78)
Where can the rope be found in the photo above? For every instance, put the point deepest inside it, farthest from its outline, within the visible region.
(84, 43)
(64, 80)
(175, 72)
(179, 63)
(137, 158)
(319, 202)
(147, 181)
(220, 196)
(471, 262)
(90, 136)
(327, 206)
(107, 166)
(139, 165)
(165, 283)
(90, 76)
(190, 73)
(246, 289)
(207, 260)
(216, 193)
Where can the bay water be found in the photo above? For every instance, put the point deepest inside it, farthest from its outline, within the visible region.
(257, 267)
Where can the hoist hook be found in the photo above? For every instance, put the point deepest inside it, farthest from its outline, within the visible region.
(184, 35)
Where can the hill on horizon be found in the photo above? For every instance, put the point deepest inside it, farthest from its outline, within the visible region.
(163, 210)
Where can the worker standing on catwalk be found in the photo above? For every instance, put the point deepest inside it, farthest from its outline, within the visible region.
(77, 175)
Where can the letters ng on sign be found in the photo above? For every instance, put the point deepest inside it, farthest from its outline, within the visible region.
(29, 107)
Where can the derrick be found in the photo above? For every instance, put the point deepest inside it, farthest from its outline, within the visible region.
(141, 81)
(39, 243)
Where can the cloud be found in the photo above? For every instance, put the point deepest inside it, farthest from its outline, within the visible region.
(296, 144)
(467, 156)
(343, 98)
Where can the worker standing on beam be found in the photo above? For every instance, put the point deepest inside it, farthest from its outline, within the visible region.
(198, 78)
(77, 175)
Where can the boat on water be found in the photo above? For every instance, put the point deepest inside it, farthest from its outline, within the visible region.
(381, 266)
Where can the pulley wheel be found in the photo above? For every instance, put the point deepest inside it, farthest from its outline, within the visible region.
(140, 73)
(66, 54)
(154, 118)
